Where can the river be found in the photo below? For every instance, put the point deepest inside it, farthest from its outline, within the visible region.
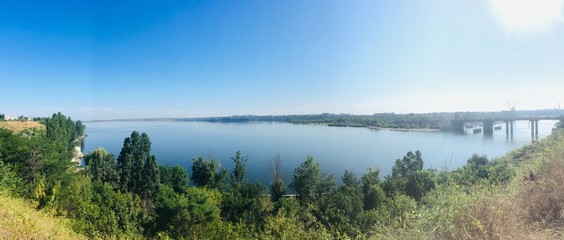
(334, 148)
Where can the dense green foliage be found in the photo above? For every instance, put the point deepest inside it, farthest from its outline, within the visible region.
(308, 183)
(63, 133)
(101, 166)
(175, 177)
(409, 178)
(137, 168)
(133, 197)
(207, 173)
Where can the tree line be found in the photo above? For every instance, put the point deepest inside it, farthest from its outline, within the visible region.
(436, 120)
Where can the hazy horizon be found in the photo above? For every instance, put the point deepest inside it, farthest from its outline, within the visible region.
(130, 59)
(260, 115)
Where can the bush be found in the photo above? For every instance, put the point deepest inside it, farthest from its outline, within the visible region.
(9, 181)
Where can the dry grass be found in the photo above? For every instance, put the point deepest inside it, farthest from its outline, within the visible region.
(522, 209)
(542, 202)
(18, 126)
(493, 218)
(533, 210)
(18, 220)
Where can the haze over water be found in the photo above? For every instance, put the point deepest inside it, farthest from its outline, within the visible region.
(334, 148)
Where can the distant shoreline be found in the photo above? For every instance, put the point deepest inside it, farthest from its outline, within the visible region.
(420, 122)
(375, 128)
(212, 120)
(406, 129)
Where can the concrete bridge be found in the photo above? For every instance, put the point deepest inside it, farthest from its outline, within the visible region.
(488, 124)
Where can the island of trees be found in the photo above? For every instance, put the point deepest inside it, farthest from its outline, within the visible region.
(132, 196)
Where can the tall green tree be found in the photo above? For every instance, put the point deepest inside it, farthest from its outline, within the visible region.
(350, 180)
(239, 171)
(408, 165)
(175, 177)
(351, 194)
(208, 173)
(371, 188)
(203, 172)
(63, 132)
(150, 181)
(309, 183)
(409, 178)
(243, 201)
(101, 166)
(138, 169)
(277, 188)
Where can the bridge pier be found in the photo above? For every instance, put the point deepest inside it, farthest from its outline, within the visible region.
(457, 125)
(509, 129)
(506, 129)
(534, 129)
(537, 129)
(488, 126)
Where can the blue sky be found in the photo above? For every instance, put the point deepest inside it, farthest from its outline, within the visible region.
(104, 60)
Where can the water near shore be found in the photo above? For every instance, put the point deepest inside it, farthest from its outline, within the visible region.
(335, 148)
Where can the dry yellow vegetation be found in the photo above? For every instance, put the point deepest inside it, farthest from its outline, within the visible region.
(523, 209)
(18, 126)
(19, 220)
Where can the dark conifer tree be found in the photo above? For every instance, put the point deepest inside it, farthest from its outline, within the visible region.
(138, 170)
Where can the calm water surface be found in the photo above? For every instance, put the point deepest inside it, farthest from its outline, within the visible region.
(334, 148)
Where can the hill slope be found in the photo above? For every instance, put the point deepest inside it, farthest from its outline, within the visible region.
(18, 126)
(18, 220)
(523, 207)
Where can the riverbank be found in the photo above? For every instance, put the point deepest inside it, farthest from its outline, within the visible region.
(406, 129)
(78, 156)
(374, 128)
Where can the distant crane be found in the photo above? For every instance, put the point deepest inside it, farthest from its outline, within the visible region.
(512, 110)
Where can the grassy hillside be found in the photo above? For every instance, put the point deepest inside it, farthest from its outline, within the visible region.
(19, 220)
(516, 209)
(18, 126)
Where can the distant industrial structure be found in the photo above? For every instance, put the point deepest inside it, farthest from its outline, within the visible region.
(509, 118)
